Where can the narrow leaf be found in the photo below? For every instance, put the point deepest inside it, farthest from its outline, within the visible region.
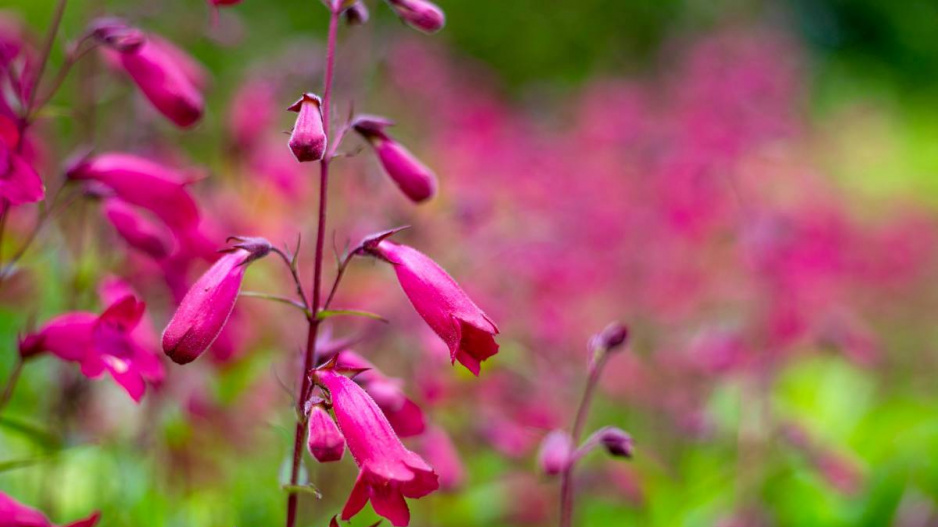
(322, 315)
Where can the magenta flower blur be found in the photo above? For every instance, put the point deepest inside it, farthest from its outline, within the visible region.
(138, 231)
(413, 177)
(419, 14)
(308, 139)
(101, 343)
(556, 452)
(15, 514)
(205, 309)
(144, 183)
(389, 472)
(164, 77)
(357, 14)
(467, 330)
(19, 181)
(406, 418)
(325, 441)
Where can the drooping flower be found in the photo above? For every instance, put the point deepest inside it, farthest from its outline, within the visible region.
(166, 76)
(389, 472)
(405, 415)
(324, 440)
(616, 441)
(15, 514)
(308, 139)
(19, 181)
(419, 14)
(144, 183)
(446, 308)
(101, 343)
(556, 452)
(137, 230)
(413, 177)
(205, 309)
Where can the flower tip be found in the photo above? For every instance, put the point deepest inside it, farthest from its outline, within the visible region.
(617, 442)
(555, 453)
(613, 337)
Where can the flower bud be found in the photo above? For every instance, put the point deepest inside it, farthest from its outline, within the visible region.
(414, 178)
(556, 452)
(308, 140)
(419, 14)
(325, 442)
(611, 338)
(205, 309)
(356, 14)
(616, 441)
(117, 34)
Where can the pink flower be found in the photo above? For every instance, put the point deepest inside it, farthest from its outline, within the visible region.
(413, 177)
(556, 452)
(15, 514)
(166, 76)
(325, 441)
(101, 343)
(438, 448)
(389, 472)
(205, 309)
(419, 14)
(137, 230)
(445, 307)
(356, 14)
(405, 416)
(19, 181)
(144, 183)
(308, 140)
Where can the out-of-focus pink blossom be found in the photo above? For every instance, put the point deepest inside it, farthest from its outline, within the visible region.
(420, 14)
(389, 472)
(15, 514)
(19, 181)
(556, 452)
(324, 440)
(205, 309)
(405, 415)
(413, 177)
(438, 449)
(447, 309)
(101, 343)
(137, 230)
(308, 139)
(251, 113)
(144, 183)
(166, 76)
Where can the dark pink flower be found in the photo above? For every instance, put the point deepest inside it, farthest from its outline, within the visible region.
(325, 441)
(101, 343)
(405, 415)
(144, 183)
(420, 14)
(446, 308)
(137, 230)
(15, 514)
(19, 181)
(166, 76)
(441, 453)
(205, 309)
(556, 452)
(308, 140)
(389, 472)
(413, 177)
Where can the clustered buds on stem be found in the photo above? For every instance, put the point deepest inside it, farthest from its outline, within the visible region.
(413, 177)
(205, 309)
(308, 139)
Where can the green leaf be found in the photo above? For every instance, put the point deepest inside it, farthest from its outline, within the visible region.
(34, 433)
(322, 315)
(306, 489)
(14, 464)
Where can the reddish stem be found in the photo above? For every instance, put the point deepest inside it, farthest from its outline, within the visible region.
(309, 360)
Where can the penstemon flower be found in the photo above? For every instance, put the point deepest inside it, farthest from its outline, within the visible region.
(324, 440)
(15, 514)
(205, 309)
(413, 177)
(467, 330)
(138, 231)
(308, 140)
(389, 472)
(19, 181)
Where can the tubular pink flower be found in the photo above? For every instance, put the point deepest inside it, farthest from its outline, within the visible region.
(414, 178)
(308, 139)
(420, 14)
(446, 308)
(325, 441)
(389, 472)
(143, 183)
(205, 309)
(19, 181)
(138, 231)
(166, 77)
(15, 514)
(101, 343)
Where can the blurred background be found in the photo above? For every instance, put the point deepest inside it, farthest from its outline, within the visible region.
(751, 186)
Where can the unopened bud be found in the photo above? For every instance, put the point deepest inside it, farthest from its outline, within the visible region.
(612, 337)
(616, 441)
(308, 140)
(419, 14)
(556, 452)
